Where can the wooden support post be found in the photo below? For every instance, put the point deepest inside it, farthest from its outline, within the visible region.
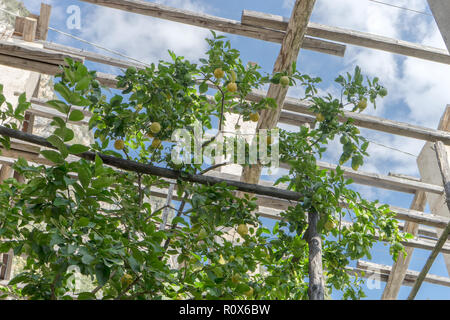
(29, 29)
(6, 258)
(400, 268)
(445, 171)
(43, 22)
(288, 55)
(316, 288)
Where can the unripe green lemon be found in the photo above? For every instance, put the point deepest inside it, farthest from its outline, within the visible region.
(126, 280)
(362, 104)
(236, 278)
(249, 293)
(284, 81)
(242, 230)
(202, 234)
(155, 127)
(329, 225)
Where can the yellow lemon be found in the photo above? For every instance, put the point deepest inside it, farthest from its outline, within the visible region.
(242, 230)
(320, 117)
(156, 143)
(232, 87)
(218, 73)
(119, 144)
(254, 117)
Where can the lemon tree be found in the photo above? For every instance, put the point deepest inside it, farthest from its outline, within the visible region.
(98, 218)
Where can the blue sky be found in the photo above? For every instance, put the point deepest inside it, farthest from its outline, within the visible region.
(418, 90)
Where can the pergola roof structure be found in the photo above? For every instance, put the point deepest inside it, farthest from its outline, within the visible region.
(293, 34)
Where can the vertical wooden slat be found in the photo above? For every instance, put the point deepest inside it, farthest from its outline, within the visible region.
(43, 22)
(445, 172)
(18, 27)
(400, 267)
(29, 29)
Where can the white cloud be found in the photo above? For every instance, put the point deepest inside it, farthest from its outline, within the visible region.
(421, 86)
(143, 37)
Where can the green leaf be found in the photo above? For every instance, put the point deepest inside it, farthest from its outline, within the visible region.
(65, 133)
(63, 91)
(83, 84)
(86, 296)
(52, 156)
(84, 174)
(102, 183)
(83, 222)
(59, 144)
(77, 149)
(59, 105)
(203, 87)
(102, 273)
(76, 115)
(87, 259)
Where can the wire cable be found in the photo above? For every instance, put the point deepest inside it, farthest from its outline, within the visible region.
(391, 148)
(399, 7)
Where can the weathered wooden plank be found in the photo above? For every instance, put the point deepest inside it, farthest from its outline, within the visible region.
(379, 180)
(29, 29)
(18, 27)
(384, 181)
(34, 53)
(215, 23)
(295, 33)
(366, 121)
(43, 21)
(92, 56)
(400, 267)
(370, 269)
(362, 39)
(43, 103)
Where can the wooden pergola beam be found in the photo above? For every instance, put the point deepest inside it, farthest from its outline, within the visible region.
(382, 272)
(380, 181)
(366, 121)
(215, 23)
(362, 39)
(91, 56)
